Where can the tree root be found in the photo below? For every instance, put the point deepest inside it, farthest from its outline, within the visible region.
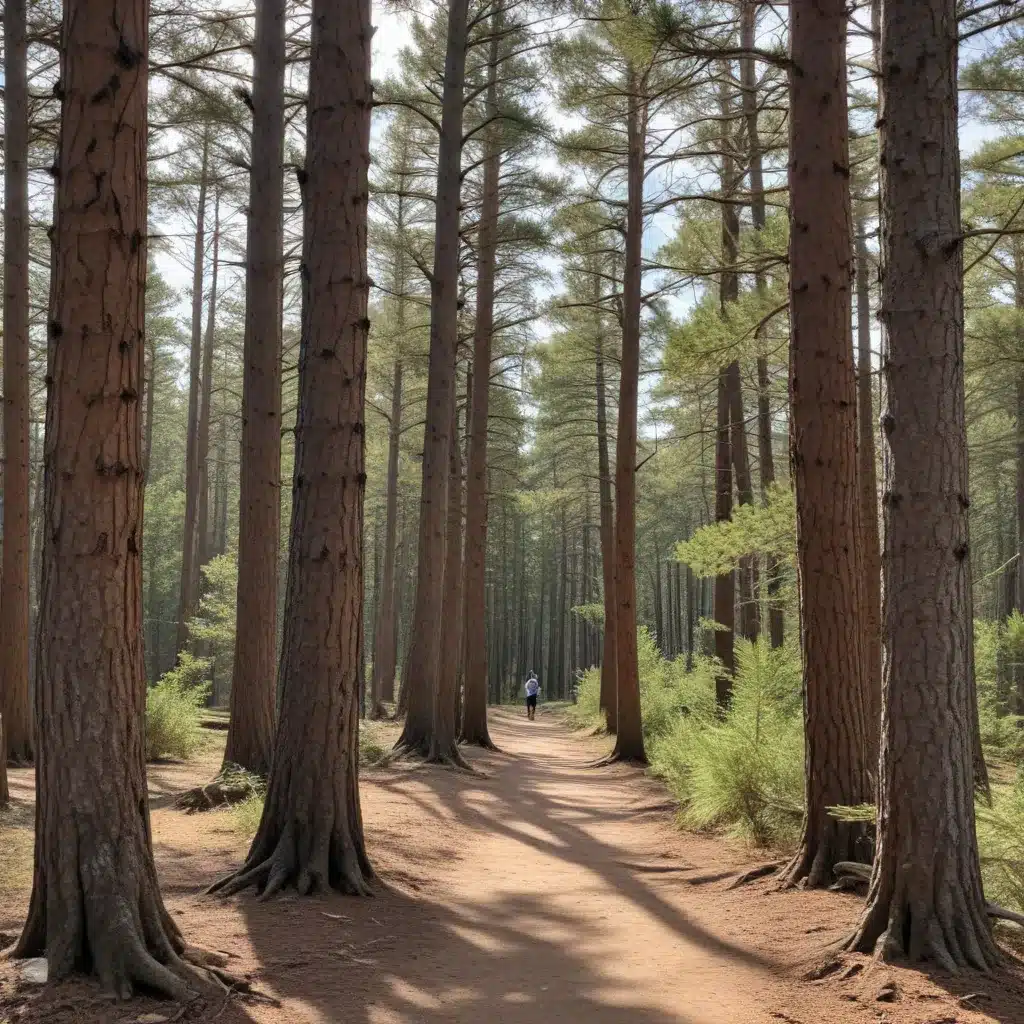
(753, 874)
(616, 758)
(232, 785)
(325, 863)
(485, 744)
(931, 942)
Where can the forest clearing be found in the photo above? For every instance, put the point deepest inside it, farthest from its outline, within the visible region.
(540, 890)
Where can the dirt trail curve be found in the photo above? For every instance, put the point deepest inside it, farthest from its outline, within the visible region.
(540, 891)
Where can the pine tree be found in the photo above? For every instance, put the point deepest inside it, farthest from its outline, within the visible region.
(311, 833)
(824, 442)
(95, 898)
(250, 735)
(925, 900)
(15, 704)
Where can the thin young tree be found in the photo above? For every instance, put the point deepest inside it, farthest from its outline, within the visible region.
(188, 594)
(251, 730)
(925, 901)
(95, 902)
(311, 832)
(420, 678)
(15, 701)
(824, 441)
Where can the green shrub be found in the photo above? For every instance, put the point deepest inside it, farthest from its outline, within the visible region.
(743, 772)
(586, 712)
(174, 709)
(375, 742)
(1001, 844)
(245, 816)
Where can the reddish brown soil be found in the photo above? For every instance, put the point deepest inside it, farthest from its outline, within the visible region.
(537, 891)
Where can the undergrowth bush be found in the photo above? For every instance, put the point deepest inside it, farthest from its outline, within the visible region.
(1001, 844)
(173, 710)
(742, 772)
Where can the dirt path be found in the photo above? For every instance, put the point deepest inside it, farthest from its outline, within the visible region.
(538, 891)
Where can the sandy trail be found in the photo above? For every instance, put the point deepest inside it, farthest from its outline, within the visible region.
(539, 890)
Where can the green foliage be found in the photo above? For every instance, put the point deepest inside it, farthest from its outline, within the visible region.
(998, 651)
(245, 816)
(754, 529)
(667, 691)
(173, 711)
(1001, 844)
(743, 772)
(214, 623)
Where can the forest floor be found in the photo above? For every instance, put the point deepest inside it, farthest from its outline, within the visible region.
(538, 890)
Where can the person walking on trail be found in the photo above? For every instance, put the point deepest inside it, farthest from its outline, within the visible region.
(532, 689)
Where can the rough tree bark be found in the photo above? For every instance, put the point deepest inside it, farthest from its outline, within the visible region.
(95, 902)
(188, 590)
(629, 739)
(204, 542)
(311, 833)
(474, 711)
(420, 678)
(925, 900)
(724, 585)
(758, 209)
(15, 700)
(5, 793)
(445, 729)
(609, 688)
(251, 730)
(823, 437)
(385, 657)
(867, 482)
(750, 615)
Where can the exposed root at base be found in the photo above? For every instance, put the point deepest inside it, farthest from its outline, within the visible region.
(233, 785)
(755, 873)
(615, 758)
(485, 744)
(450, 758)
(348, 873)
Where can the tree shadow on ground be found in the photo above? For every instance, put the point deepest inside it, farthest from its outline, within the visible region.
(398, 959)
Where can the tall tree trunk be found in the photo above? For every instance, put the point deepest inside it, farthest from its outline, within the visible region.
(748, 78)
(725, 584)
(204, 542)
(750, 618)
(311, 832)
(474, 712)
(445, 730)
(150, 385)
(385, 659)
(609, 689)
(871, 555)
(925, 900)
(420, 678)
(95, 898)
(15, 698)
(5, 793)
(1017, 574)
(629, 739)
(188, 592)
(254, 673)
(689, 619)
(220, 496)
(824, 443)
